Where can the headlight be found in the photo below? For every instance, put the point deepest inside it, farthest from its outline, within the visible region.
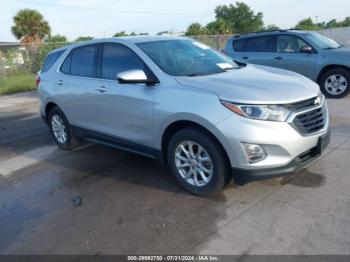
(261, 112)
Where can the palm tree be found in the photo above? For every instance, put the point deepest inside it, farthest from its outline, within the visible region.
(30, 26)
(195, 29)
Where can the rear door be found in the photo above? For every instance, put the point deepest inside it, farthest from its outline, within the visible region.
(291, 58)
(259, 50)
(76, 85)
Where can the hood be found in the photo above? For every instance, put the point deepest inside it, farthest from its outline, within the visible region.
(255, 84)
(338, 51)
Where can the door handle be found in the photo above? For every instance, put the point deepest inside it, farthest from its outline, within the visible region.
(59, 82)
(278, 58)
(101, 89)
(245, 57)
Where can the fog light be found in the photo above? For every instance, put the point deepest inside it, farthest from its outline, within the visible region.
(254, 153)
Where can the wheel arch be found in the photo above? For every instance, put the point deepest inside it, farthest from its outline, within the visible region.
(330, 67)
(172, 128)
(48, 108)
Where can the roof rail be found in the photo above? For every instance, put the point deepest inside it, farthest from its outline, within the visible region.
(265, 31)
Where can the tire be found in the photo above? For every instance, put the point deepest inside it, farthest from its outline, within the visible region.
(57, 116)
(332, 79)
(203, 145)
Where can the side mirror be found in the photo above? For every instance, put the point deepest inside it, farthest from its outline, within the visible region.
(306, 49)
(134, 77)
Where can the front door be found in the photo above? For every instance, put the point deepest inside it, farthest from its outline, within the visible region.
(291, 58)
(124, 110)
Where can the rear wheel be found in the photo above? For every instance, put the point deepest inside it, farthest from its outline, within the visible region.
(335, 83)
(198, 162)
(61, 130)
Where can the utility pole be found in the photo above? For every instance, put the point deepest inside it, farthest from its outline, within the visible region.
(316, 19)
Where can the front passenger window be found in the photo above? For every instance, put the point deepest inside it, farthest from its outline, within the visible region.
(289, 44)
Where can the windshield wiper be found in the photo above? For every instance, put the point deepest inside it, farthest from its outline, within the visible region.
(329, 48)
(212, 72)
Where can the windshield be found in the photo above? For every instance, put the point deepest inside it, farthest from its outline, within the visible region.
(321, 41)
(186, 58)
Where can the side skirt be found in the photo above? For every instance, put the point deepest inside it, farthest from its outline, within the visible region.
(117, 143)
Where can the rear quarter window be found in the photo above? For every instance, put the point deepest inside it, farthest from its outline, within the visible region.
(50, 60)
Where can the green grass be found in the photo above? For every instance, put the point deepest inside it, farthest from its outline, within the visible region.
(17, 83)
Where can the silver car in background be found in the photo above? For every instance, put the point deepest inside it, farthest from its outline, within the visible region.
(308, 53)
(186, 105)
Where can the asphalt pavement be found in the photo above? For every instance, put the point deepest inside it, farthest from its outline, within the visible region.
(100, 200)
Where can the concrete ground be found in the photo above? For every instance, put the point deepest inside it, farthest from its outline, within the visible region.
(131, 204)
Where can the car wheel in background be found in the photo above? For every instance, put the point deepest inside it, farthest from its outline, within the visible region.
(61, 130)
(198, 162)
(335, 83)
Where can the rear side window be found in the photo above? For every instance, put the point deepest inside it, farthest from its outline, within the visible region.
(50, 60)
(81, 62)
(117, 58)
(255, 44)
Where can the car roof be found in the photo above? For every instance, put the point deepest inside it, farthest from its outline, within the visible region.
(124, 39)
(271, 32)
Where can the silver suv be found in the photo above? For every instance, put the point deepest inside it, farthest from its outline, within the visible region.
(186, 105)
(308, 53)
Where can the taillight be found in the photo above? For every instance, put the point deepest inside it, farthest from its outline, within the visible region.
(37, 80)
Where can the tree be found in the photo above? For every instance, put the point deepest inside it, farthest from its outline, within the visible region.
(83, 38)
(332, 23)
(346, 21)
(195, 29)
(218, 27)
(270, 27)
(30, 26)
(239, 18)
(122, 33)
(57, 39)
(306, 24)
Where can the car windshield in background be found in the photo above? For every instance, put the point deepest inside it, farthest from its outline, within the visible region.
(186, 58)
(321, 41)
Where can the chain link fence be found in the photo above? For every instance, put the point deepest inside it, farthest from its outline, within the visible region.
(19, 63)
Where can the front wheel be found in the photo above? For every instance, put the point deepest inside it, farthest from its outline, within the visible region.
(335, 83)
(198, 162)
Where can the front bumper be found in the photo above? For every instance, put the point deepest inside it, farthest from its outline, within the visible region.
(244, 176)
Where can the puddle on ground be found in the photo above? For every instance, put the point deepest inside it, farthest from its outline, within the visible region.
(304, 178)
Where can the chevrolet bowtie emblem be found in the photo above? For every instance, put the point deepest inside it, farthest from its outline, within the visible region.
(318, 101)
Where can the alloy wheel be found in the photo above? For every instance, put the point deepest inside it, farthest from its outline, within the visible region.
(336, 84)
(193, 163)
(59, 129)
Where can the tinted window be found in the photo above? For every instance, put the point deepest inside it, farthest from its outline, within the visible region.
(83, 61)
(255, 44)
(289, 44)
(65, 67)
(50, 60)
(117, 58)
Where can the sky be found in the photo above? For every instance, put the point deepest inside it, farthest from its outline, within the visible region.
(103, 18)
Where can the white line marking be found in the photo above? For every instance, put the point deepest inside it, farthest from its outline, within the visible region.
(26, 159)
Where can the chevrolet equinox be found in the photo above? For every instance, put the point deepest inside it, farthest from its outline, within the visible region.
(180, 102)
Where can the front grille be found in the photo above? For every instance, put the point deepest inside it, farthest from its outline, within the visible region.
(311, 121)
(302, 105)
